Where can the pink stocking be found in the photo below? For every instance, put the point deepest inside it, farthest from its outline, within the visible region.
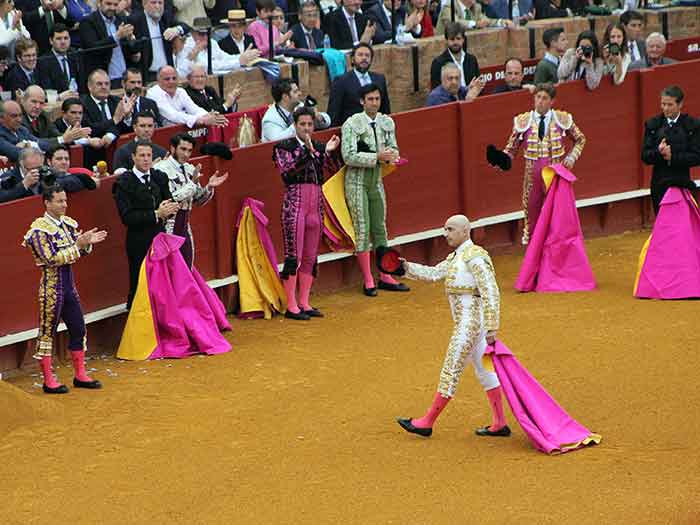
(427, 421)
(364, 262)
(305, 282)
(387, 278)
(49, 379)
(496, 402)
(78, 357)
(290, 287)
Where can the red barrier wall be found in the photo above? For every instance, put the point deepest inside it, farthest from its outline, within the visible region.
(446, 174)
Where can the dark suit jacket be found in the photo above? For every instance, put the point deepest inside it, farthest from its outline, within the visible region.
(344, 99)
(138, 19)
(51, 73)
(11, 187)
(299, 37)
(44, 129)
(98, 44)
(376, 13)
(92, 116)
(545, 9)
(229, 46)
(505, 88)
(336, 27)
(211, 101)
(36, 25)
(123, 155)
(9, 140)
(16, 78)
(469, 64)
(144, 105)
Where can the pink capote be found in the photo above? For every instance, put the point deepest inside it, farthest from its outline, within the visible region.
(549, 427)
(555, 259)
(671, 268)
(187, 314)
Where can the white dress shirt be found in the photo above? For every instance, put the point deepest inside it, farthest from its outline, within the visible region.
(547, 119)
(179, 109)
(353, 27)
(275, 127)
(64, 64)
(159, 58)
(459, 62)
(221, 62)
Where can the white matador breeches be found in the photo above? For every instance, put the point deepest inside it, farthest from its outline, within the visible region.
(468, 344)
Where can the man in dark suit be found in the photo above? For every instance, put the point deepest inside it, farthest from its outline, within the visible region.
(39, 17)
(380, 14)
(144, 203)
(13, 136)
(513, 77)
(634, 26)
(109, 41)
(132, 82)
(671, 146)
(38, 123)
(344, 99)
(206, 96)
(23, 180)
(237, 40)
(23, 74)
(60, 69)
(305, 34)
(144, 126)
(158, 30)
(455, 52)
(347, 27)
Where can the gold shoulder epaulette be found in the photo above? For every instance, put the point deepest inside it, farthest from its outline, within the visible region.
(70, 221)
(563, 118)
(475, 251)
(522, 122)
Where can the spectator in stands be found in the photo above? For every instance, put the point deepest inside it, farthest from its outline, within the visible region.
(633, 22)
(259, 29)
(583, 61)
(13, 135)
(615, 52)
(307, 33)
(37, 122)
(450, 91)
(4, 56)
(206, 96)
(656, 49)
(550, 9)
(470, 14)
(278, 19)
(348, 26)
(278, 123)
(23, 180)
(132, 82)
(556, 42)
(109, 42)
(344, 98)
(23, 74)
(457, 54)
(78, 10)
(417, 10)
(58, 159)
(72, 109)
(513, 77)
(102, 112)
(11, 26)
(238, 40)
(42, 18)
(500, 9)
(144, 127)
(158, 29)
(195, 52)
(124, 8)
(176, 106)
(58, 69)
(380, 13)
(189, 10)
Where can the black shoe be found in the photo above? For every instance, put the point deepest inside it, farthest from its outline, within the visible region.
(301, 316)
(398, 287)
(313, 312)
(408, 427)
(60, 389)
(92, 385)
(369, 292)
(501, 432)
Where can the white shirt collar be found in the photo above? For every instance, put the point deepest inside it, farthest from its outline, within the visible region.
(57, 222)
(348, 15)
(464, 246)
(673, 120)
(370, 120)
(140, 175)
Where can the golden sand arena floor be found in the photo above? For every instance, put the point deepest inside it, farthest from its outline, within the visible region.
(296, 425)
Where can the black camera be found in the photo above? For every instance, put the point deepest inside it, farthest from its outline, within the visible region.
(310, 102)
(615, 49)
(587, 51)
(47, 176)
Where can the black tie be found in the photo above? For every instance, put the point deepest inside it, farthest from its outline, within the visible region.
(31, 78)
(374, 130)
(540, 129)
(66, 69)
(103, 109)
(146, 181)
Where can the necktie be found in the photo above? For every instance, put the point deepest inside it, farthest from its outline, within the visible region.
(66, 69)
(310, 41)
(30, 76)
(49, 20)
(146, 180)
(374, 130)
(540, 129)
(103, 109)
(353, 29)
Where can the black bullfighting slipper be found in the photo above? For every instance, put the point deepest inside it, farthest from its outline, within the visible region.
(314, 312)
(389, 287)
(369, 292)
(408, 427)
(60, 389)
(301, 316)
(92, 385)
(501, 432)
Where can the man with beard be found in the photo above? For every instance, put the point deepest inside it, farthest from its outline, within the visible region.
(132, 82)
(456, 54)
(186, 190)
(278, 123)
(344, 99)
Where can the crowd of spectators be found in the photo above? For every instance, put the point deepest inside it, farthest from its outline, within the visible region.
(130, 66)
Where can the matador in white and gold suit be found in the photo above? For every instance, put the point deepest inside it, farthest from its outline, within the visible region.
(472, 291)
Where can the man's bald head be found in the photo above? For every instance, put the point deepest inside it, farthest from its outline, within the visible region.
(457, 230)
(167, 79)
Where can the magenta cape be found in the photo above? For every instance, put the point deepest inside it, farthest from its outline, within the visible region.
(555, 259)
(549, 427)
(187, 314)
(669, 264)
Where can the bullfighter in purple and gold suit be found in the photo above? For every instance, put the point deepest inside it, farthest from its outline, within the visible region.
(56, 243)
(301, 162)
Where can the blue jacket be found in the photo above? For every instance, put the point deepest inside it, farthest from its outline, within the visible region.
(9, 140)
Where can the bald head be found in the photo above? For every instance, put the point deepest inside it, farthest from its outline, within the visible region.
(33, 101)
(167, 79)
(11, 115)
(457, 230)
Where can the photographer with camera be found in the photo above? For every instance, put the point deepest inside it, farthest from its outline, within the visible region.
(616, 52)
(277, 123)
(25, 179)
(583, 61)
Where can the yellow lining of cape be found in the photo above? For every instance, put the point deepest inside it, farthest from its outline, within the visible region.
(640, 264)
(591, 439)
(548, 174)
(139, 338)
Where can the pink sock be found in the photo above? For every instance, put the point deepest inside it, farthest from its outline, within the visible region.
(78, 357)
(363, 261)
(387, 278)
(496, 402)
(305, 282)
(49, 379)
(427, 421)
(290, 287)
